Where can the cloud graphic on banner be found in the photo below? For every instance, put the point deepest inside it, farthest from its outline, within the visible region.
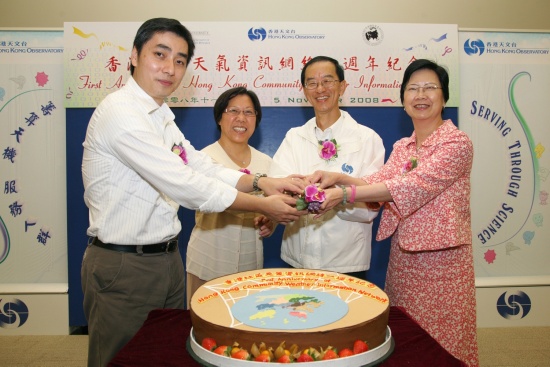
(528, 237)
(513, 305)
(511, 247)
(474, 47)
(539, 150)
(19, 80)
(538, 219)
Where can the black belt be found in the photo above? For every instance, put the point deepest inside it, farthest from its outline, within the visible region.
(168, 246)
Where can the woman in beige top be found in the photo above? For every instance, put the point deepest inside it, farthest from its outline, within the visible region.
(231, 241)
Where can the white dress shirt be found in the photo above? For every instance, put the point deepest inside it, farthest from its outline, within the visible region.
(339, 240)
(134, 183)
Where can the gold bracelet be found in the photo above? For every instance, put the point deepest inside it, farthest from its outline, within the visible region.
(257, 177)
(344, 201)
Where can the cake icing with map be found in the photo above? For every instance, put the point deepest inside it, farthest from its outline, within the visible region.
(309, 308)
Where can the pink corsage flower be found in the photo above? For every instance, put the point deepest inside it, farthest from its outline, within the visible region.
(409, 165)
(312, 198)
(244, 170)
(328, 149)
(180, 151)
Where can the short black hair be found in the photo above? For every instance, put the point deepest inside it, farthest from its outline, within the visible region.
(420, 64)
(228, 95)
(337, 66)
(162, 25)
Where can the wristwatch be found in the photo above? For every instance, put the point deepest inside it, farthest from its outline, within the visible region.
(257, 176)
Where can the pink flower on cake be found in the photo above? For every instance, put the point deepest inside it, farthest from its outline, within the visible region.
(409, 165)
(328, 149)
(312, 198)
(180, 151)
(244, 170)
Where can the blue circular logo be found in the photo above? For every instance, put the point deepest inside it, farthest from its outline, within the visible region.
(13, 314)
(346, 168)
(257, 34)
(474, 47)
(513, 305)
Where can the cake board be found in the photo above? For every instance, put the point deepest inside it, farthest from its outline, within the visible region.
(370, 358)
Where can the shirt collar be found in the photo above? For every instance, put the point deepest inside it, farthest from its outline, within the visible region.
(332, 131)
(433, 137)
(149, 104)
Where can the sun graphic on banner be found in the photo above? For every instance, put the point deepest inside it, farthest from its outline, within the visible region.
(490, 256)
(41, 79)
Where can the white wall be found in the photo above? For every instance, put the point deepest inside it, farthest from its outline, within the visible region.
(468, 14)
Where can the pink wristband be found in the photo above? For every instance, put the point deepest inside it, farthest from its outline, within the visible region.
(352, 196)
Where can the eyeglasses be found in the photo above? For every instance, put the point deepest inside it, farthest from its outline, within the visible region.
(428, 88)
(236, 112)
(326, 83)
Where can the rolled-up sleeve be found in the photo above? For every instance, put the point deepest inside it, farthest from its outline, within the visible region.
(199, 184)
(450, 161)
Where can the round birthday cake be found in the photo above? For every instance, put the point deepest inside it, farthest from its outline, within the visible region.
(309, 308)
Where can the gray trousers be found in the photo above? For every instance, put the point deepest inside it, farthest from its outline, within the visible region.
(120, 289)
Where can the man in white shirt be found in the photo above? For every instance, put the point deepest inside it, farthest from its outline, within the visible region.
(339, 240)
(137, 169)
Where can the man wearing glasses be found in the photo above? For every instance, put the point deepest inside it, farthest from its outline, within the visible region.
(339, 240)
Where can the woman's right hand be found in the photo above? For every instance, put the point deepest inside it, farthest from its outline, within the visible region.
(324, 178)
(333, 197)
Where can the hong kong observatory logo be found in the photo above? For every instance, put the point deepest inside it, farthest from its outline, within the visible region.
(257, 34)
(13, 313)
(513, 305)
(472, 47)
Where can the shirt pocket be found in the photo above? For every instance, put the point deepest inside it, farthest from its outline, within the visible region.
(349, 147)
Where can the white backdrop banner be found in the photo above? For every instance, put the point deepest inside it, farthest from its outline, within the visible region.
(264, 57)
(505, 85)
(33, 204)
